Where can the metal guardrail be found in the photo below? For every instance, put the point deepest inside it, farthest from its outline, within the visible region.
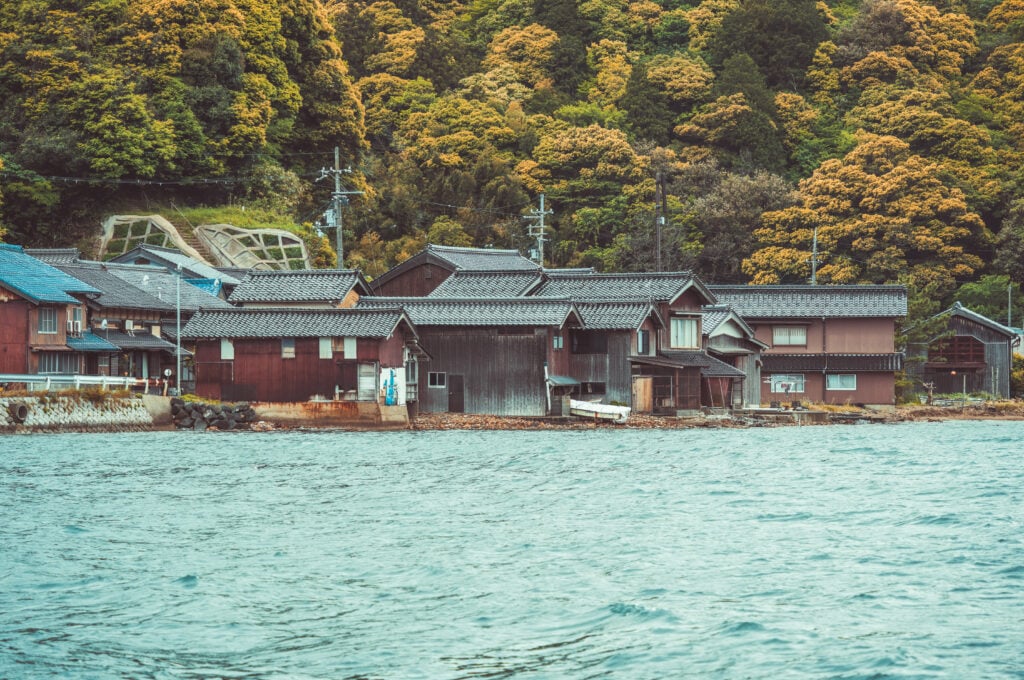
(48, 381)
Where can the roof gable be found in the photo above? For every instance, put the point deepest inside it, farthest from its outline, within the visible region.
(476, 284)
(963, 312)
(173, 258)
(452, 258)
(307, 285)
(617, 314)
(37, 281)
(806, 301)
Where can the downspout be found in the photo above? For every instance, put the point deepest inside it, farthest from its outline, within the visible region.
(824, 352)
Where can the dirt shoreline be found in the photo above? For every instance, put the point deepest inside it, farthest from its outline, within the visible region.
(1009, 410)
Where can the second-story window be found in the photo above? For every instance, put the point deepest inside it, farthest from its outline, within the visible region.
(47, 320)
(287, 348)
(684, 333)
(643, 342)
(789, 335)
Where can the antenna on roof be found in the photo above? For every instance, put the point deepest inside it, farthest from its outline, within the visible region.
(537, 230)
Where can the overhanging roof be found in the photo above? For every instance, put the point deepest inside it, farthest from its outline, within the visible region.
(658, 286)
(880, 363)
(526, 311)
(308, 285)
(37, 281)
(247, 322)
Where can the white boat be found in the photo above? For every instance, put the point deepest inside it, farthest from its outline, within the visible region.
(587, 409)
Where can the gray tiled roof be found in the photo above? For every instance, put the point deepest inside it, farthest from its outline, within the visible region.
(483, 259)
(787, 302)
(959, 310)
(661, 286)
(526, 311)
(307, 285)
(614, 314)
(90, 342)
(473, 284)
(159, 282)
(716, 315)
(54, 256)
(293, 323)
(115, 292)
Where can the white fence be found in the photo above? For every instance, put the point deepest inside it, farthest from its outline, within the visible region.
(40, 382)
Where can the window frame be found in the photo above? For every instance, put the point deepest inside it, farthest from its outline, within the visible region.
(46, 321)
(676, 339)
(227, 349)
(788, 341)
(589, 342)
(326, 348)
(830, 376)
(437, 380)
(557, 341)
(643, 342)
(287, 348)
(776, 380)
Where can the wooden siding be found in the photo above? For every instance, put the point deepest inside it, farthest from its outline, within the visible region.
(419, 281)
(14, 325)
(501, 374)
(873, 389)
(611, 368)
(860, 336)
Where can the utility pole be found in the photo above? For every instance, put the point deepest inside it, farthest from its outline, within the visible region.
(659, 218)
(814, 258)
(339, 199)
(537, 230)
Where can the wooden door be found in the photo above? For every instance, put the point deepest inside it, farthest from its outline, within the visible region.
(456, 394)
(643, 394)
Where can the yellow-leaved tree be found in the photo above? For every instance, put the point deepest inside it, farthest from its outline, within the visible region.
(882, 214)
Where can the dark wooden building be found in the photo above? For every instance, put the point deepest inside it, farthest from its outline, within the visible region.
(489, 356)
(292, 355)
(728, 338)
(974, 355)
(422, 273)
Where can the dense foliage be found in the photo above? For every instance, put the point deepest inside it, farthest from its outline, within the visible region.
(892, 130)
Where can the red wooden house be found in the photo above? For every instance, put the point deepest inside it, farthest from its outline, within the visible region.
(829, 344)
(293, 355)
(41, 310)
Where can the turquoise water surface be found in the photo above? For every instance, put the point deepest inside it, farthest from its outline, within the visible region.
(873, 551)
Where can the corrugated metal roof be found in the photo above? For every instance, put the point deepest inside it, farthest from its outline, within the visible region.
(114, 291)
(307, 285)
(141, 340)
(161, 283)
(778, 363)
(472, 284)
(90, 342)
(788, 302)
(660, 286)
(293, 323)
(526, 311)
(36, 280)
(173, 258)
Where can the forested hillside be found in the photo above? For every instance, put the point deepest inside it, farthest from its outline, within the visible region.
(892, 128)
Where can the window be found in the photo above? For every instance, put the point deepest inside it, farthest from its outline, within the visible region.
(346, 347)
(788, 384)
(47, 320)
(557, 342)
(643, 342)
(589, 342)
(789, 335)
(684, 332)
(227, 349)
(437, 379)
(841, 381)
(326, 348)
(58, 362)
(287, 348)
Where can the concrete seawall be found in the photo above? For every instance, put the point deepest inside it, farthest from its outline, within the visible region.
(79, 413)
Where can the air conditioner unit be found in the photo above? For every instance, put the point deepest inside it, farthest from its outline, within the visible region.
(71, 326)
(78, 327)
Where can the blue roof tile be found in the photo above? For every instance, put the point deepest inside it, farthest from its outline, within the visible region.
(36, 280)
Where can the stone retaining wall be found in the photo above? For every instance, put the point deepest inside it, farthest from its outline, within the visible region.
(49, 413)
(200, 415)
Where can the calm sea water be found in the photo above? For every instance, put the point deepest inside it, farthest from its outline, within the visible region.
(876, 551)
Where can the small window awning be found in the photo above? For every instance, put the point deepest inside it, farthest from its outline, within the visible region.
(90, 342)
(562, 381)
